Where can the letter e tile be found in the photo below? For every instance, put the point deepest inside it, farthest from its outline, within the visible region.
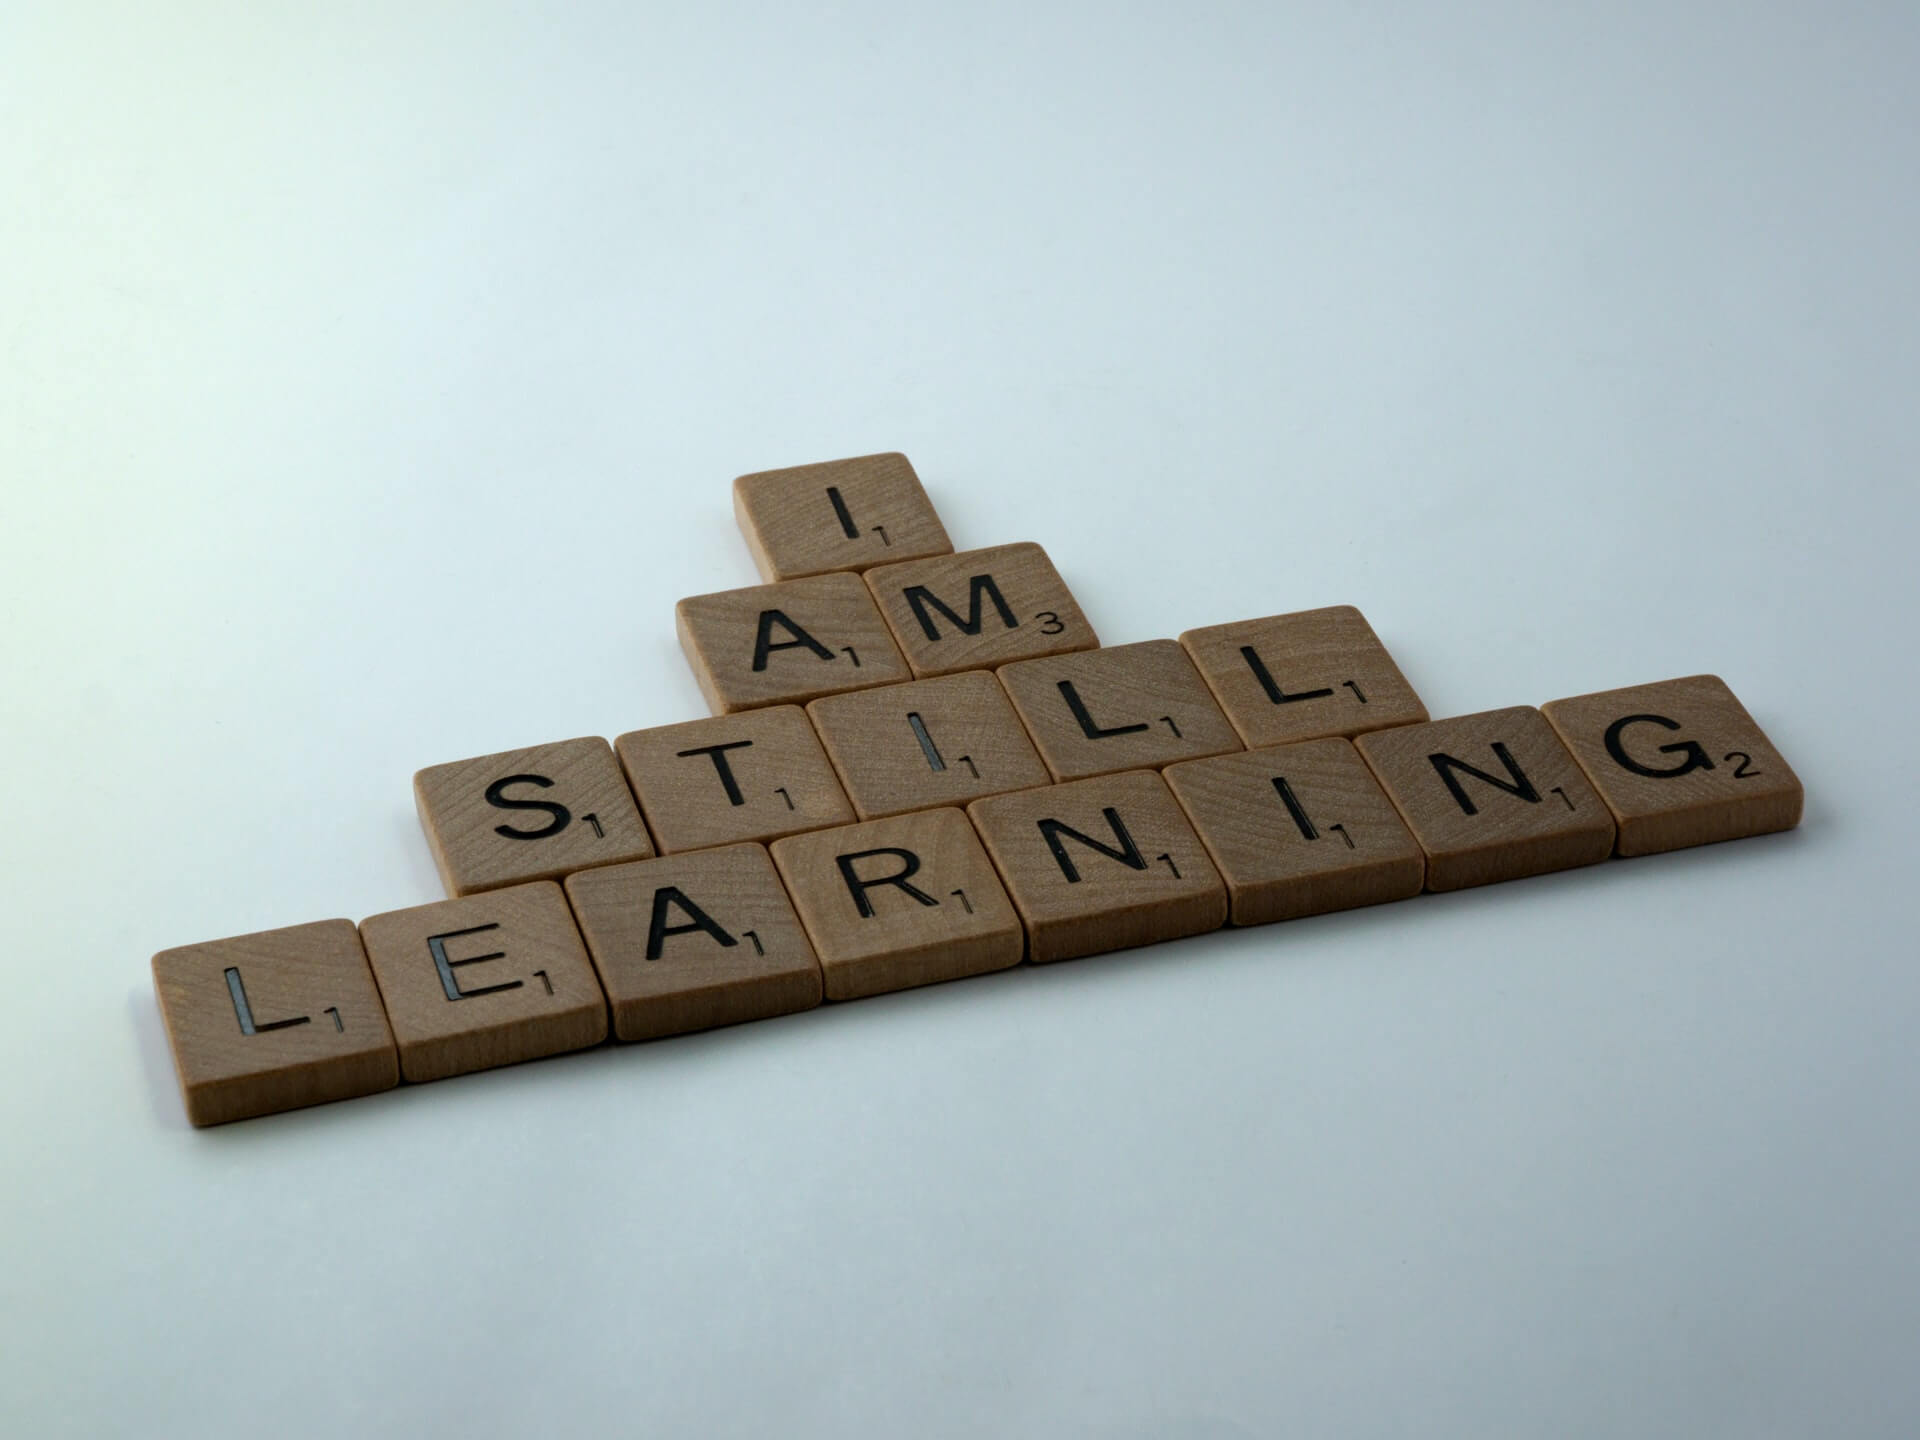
(485, 980)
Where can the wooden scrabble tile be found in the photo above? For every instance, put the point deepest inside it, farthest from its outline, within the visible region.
(979, 608)
(926, 744)
(1298, 830)
(533, 814)
(757, 775)
(787, 643)
(688, 942)
(1493, 796)
(485, 980)
(1679, 763)
(894, 903)
(1100, 865)
(840, 515)
(274, 1021)
(1304, 676)
(1132, 707)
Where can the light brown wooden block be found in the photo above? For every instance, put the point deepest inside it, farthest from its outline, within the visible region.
(840, 515)
(757, 775)
(274, 1021)
(1101, 864)
(1679, 763)
(787, 643)
(485, 980)
(926, 744)
(1132, 707)
(895, 903)
(689, 942)
(979, 609)
(533, 814)
(1298, 830)
(1490, 797)
(1304, 676)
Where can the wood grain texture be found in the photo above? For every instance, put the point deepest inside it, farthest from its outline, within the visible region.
(1298, 830)
(1130, 707)
(1528, 810)
(891, 904)
(926, 744)
(1132, 872)
(690, 942)
(979, 609)
(532, 814)
(1678, 763)
(837, 515)
(485, 980)
(1304, 676)
(757, 775)
(787, 643)
(274, 1021)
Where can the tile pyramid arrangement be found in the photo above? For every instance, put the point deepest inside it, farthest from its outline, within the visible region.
(922, 765)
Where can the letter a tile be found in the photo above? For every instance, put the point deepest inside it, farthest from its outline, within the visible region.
(522, 815)
(894, 903)
(1130, 707)
(1490, 797)
(1303, 676)
(1679, 763)
(688, 942)
(840, 515)
(979, 608)
(486, 980)
(787, 643)
(1299, 830)
(1101, 865)
(274, 1021)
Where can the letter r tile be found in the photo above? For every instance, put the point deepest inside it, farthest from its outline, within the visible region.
(1679, 763)
(979, 609)
(274, 1021)
(787, 643)
(1304, 676)
(889, 904)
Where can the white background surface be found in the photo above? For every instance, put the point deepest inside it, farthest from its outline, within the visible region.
(372, 386)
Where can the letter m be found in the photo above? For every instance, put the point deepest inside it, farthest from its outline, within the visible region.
(922, 600)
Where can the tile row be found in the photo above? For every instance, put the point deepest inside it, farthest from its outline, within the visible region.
(757, 774)
(739, 931)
